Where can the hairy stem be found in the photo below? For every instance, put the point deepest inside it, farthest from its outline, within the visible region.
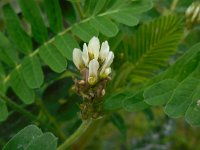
(75, 135)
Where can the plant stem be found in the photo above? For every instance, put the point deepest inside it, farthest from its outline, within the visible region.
(28, 114)
(80, 10)
(75, 135)
(19, 108)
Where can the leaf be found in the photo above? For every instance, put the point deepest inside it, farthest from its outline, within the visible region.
(23, 138)
(125, 18)
(105, 26)
(135, 103)
(118, 121)
(52, 57)
(115, 101)
(65, 44)
(32, 72)
(185, 66)
(54, 15)
(139, 6)
(98, 7)
(84, 31)
(183, 94)
(160, 93)
(3, 86)
(154, 42)
(8, 53)
(20, 88)
(192, 115)
(32, 14)
(15, 31)
(47, 141)
(3, 111)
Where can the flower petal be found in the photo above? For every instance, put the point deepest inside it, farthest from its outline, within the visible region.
(77, 58)
(93, 71)
(105, 73)
(108, 62)
(104, 51)
(85, 55)
(93, 47)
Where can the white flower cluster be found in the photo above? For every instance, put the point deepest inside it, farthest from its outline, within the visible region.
(95, 58)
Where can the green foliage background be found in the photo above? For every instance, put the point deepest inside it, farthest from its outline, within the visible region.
(155, 77)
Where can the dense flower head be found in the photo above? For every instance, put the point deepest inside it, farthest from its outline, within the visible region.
(95, 58)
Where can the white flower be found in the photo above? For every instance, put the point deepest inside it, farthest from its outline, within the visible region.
(93, 71)
(77, 58)
(85, 55)
(107, 63)
(93, 48)
(104, 51)
(92, 58)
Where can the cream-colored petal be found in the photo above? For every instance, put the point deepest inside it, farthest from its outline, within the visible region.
(85, 55)
(77, 58)
(108, 62)
(93, 47)
(93, 71)
(104, 51)
(195, 13)
(189, 11)
(105, 73)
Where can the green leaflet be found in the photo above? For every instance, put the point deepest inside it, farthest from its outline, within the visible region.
(183, 95)
(3, 111)
(98, 6)
(125, 18)
(119, 122)
(160, 93)
(65, 44)
(32, 14)
(114, 102)
(47, 141)
(15, 31)
(32, 72)
(54, 15)
(20, 88)
(32, 138)
(105, 26)
(192, 115)
(135, 103)
(3, 86)
(8, 53)
(52, 57)
(84, 31)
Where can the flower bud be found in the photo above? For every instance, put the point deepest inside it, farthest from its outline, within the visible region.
(93, 71)
(104, 51)
(77, 58)
(93, 48)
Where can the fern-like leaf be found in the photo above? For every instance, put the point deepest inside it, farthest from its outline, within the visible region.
(153, 44)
